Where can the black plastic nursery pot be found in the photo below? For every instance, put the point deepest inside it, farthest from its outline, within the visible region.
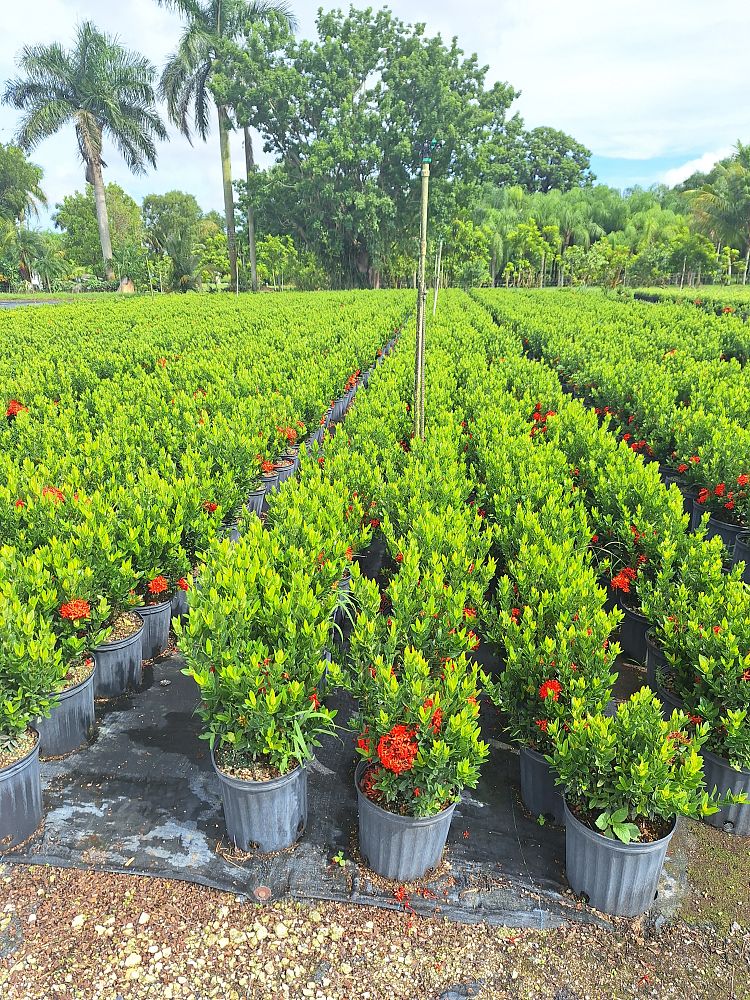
(728, 533)
(539, 793)
(669, 701)
(402, 848)
(156, 621)
(742, 553)
(267, 815)
(616, 878)
(655, 660)
(20, 800)
(118, 665)
(688, 501)
(71, 721)
(719, 774)
(254, 502)
(633, 631)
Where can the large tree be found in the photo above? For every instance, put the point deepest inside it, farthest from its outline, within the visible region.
(345, 117)
(20, 185)
(552, 159)
(103, 90)
(187, 77)
(76, 216)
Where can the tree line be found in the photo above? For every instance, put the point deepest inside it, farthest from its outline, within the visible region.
(342, 116)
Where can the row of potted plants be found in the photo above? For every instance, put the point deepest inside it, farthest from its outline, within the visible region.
(97, 585)
(661, 376)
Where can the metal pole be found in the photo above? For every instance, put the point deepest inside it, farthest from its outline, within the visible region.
(437, 275)
(421, 302)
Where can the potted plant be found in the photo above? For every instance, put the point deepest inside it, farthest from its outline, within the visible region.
(253, 643)
(728, 507)
(626, 778)
(419, 747)
(30, 659)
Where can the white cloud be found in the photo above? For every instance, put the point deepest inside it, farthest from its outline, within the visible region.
(701, 163)
(635, 80)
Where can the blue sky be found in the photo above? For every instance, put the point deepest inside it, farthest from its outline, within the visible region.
(652, 88)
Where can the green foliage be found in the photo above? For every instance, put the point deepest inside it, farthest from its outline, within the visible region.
(75, 216)
(632, 767)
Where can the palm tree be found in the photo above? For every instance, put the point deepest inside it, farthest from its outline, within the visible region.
(722, 206)
(186, 85)
(101, 88)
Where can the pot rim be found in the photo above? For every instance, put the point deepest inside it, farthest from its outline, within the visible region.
(269, 783)
(634, 847)
(119, 643)
(418, 821)
(18, 765)
(722, 760)
(64, 693)
(524, 748)
(152, 609)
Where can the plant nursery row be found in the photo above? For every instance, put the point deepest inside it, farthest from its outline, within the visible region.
(525, 518)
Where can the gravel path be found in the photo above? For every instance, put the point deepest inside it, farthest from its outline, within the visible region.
(88, 936)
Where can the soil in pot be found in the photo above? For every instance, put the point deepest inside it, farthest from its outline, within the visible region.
(20, 791)
(71, 722)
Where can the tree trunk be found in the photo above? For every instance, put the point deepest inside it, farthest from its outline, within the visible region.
(94, 174)
(249, 170)
(747, 266)
(226, 174)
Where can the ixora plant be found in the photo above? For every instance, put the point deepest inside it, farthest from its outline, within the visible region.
(254, 645)
(418, 730)
(626, 779)
(30, 662)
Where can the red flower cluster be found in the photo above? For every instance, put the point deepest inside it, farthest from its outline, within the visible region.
(75, 610)
(437, 721)
(158, 585)
(267, 467)
(288, 433)
(540, 420)
(542, 723)
(315, 700)
(469, 613)
(743, 479)
(397, 749)
(550, 689)
(210, 506)
(374, 522)
(182, 583)
(623, 579)
(14, 408)
(55, 495)
(349, 553)
(400, 557)
(20, 503)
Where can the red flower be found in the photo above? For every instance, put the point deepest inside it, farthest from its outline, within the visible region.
(717, 629)
(729, 505)
(515, 614)
(437, 721)
(267, 467)
(374, 523)
(720, 490)
(363, 743)
(210, 506)
(158, 585)
(703, 495)
(315, 700)
(469, 613)
(400, 557)
(594, 539)
(55, 495)
(397, 749)
(695, 459)
(14, 408)
(473, 640)
(542, 723)
(349, 553)
(743, 479)
(182, 583)
(471, 700)
(552, 688)
(682, 467)
(75, 610)
(20, 503)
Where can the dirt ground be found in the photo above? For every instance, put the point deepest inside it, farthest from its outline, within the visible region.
(77, 935)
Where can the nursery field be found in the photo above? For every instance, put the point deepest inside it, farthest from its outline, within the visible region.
(246, 468)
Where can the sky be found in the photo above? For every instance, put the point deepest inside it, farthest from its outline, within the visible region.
(655, 88)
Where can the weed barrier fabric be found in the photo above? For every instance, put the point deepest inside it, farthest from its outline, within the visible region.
(143, 798)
